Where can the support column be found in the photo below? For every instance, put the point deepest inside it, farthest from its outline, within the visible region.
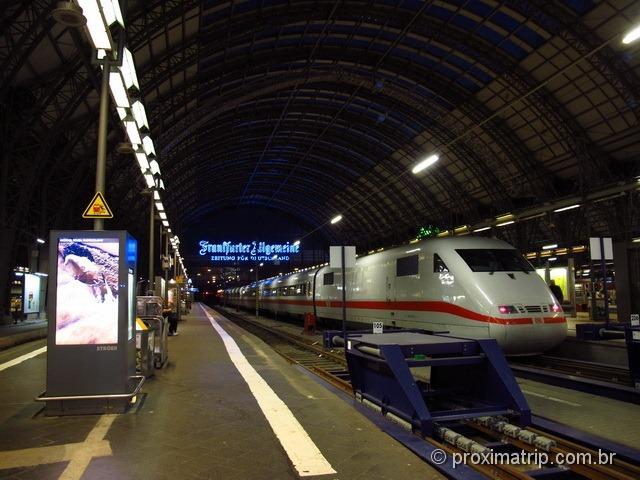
(101, 161)
(623, 284)
(166, 259)
(151, 239)
(571, 281)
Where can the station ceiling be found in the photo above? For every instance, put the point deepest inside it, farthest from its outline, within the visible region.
(315, 108)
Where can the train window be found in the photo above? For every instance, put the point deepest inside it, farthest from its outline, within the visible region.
(438, 265)
(407, 266)
(328, 279)
(494, 260)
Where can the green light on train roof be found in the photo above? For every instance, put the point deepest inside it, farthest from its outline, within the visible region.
(428, 231)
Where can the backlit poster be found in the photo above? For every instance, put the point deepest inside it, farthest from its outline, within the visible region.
(87, 291)
(31, 297)
(132, 304)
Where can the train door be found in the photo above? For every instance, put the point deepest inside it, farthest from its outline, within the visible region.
(407, 288)
(388, 292)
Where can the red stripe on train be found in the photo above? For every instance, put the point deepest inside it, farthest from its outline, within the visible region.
(422, 306)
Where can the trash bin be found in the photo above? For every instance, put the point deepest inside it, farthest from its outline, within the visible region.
(145, 341)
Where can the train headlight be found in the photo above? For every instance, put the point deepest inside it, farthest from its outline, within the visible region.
(555, 308)
(504, 309)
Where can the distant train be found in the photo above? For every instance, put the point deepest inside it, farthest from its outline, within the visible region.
(471, 287)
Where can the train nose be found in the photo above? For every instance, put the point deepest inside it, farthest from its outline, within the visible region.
(533, 339)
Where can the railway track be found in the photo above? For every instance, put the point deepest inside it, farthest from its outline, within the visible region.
(579, 368)
(331, 366)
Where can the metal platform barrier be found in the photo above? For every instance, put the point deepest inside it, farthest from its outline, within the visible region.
(92, 404)
(424, 379)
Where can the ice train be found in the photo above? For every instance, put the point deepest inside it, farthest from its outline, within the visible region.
(468, 286)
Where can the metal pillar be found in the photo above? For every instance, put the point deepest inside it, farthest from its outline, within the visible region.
(166, 270)
(571, 282)
(344, 301)
(624, 281)
(257, 293)
(605, 293)
(101, 161)
(151, 239)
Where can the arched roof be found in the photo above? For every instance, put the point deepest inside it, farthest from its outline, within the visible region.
(317, 108)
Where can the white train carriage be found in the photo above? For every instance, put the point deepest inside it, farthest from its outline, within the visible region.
(469, 286)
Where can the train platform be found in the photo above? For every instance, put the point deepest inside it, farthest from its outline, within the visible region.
(225, 406)
(24, 331)
(611, 419)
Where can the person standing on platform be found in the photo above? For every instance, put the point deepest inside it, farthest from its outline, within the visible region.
(173, 320)
(557, 291)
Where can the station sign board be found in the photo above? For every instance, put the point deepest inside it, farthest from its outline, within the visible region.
(254, 251)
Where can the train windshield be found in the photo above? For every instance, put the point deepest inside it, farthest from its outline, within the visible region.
(494, 260)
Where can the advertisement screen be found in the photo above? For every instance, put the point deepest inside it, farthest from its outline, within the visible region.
(87, 291)
(31, 298)
(132, 303)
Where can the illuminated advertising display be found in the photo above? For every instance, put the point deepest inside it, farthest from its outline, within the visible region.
(254, 251)
(87, 291)
(31, 295)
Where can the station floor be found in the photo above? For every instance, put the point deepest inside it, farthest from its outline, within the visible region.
(198, 418)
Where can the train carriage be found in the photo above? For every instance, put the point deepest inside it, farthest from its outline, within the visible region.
(469, 286)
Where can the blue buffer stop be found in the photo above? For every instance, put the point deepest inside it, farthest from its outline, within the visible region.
(425, 379)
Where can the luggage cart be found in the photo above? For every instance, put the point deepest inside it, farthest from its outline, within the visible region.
(149, 310)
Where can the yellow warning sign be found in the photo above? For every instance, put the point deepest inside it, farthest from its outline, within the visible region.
(98, 208)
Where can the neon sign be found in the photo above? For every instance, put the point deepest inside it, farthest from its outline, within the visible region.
(247, 252)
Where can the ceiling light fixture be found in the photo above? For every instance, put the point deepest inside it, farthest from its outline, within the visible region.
(632, 35)
(570, 207)
(427, 162)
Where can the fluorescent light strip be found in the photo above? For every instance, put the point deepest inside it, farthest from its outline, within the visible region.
(118, 91)
(570, 207)
(139, 114)
(632, 36)
(505, 217)
(159, 206)
(482, 229)
(155, 167)
(549, 247)
(336, 219)
(95, 24)
(111, 11)
(147, 144)
(129, 70)
(133, 133)
(504, 224)
(142, 161)
(427, 162)
(149, 179)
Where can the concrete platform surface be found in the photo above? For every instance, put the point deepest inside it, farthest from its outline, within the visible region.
(198, 419)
